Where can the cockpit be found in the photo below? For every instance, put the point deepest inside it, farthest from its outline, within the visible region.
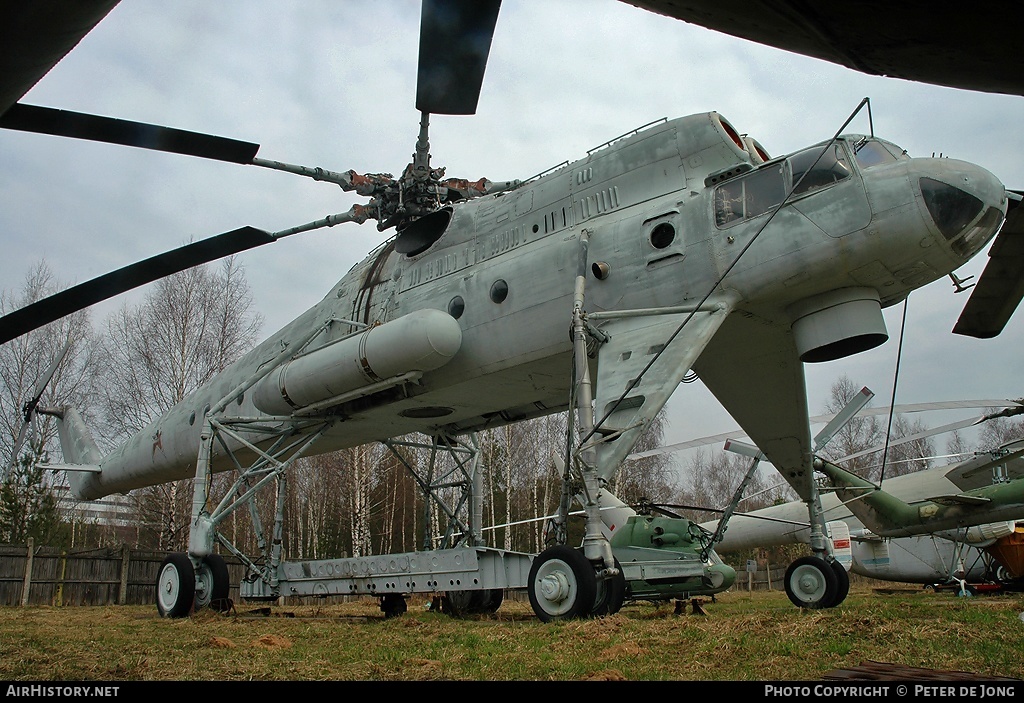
(759, 191)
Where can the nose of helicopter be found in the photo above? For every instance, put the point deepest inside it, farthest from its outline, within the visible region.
(965, 202)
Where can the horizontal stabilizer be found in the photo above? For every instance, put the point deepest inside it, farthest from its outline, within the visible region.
(1001, 286)
(960, 499)
(87, 468)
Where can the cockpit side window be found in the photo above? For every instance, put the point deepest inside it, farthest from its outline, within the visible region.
(871, 152)
(809, 172)
(752, 195)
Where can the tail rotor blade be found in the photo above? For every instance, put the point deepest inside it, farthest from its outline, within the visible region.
(29, 408)
(78, 125)
(455, 39)
(15, 451)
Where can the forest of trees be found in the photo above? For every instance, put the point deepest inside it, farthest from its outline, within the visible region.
(125, 370)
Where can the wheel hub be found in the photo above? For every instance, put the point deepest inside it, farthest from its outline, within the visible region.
(554, 587)
(808, 584)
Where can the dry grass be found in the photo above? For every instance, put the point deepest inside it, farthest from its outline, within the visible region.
(742, 637)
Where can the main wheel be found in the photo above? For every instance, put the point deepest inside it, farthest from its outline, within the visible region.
(842, 580)
(562, 584)
(213, 584)
(176, 586)
(811, 583)
(611, 593)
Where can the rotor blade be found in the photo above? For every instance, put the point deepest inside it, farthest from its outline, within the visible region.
(817, 419)
(1001, 286)
(78, 125)
(54, 307)
(15, 451)
(455, 39)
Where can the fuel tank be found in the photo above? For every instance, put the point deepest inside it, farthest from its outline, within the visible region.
(421, 341)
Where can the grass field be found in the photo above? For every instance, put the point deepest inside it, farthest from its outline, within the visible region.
(741, 636)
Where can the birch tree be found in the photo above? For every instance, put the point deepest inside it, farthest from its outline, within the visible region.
(155, 354)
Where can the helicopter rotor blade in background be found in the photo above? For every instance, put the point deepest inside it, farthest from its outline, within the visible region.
(83, 295)
(455, 39)
(79, 125)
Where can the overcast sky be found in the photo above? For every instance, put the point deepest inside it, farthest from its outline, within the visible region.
(331, 83)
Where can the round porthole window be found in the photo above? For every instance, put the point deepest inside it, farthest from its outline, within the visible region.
(663, 235)
(499, 291)
(456, 307)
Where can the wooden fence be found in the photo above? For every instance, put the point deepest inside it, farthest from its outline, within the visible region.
(124, 576)
(32, 575)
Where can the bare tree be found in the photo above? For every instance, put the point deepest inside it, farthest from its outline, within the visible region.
(154, 355)
(24, 363)
(1000, 430)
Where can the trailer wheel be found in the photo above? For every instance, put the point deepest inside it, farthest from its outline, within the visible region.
(811, 583)
(393, 605)
(176, 586)
(461, 603)
(562, 584)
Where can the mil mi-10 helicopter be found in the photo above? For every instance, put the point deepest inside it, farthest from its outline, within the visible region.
(595, 287)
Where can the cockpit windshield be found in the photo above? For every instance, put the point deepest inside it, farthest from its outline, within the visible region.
(818, 167)
(874, 152)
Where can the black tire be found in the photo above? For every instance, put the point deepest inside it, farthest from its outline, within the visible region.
(393, 605)
(461, 603)
(176, 586)
(213, 584)
(491, 600)
(562, 584)
(611, 594)
(458, 604)
(811, 583)
(843, 582)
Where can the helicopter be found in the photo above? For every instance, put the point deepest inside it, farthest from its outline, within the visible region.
(940, 525)
(593, 287)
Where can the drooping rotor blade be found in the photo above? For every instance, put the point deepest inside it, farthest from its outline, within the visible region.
(1000, 288)
(83, 295)
(54, 307)
(78, 125)
(455, 39)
